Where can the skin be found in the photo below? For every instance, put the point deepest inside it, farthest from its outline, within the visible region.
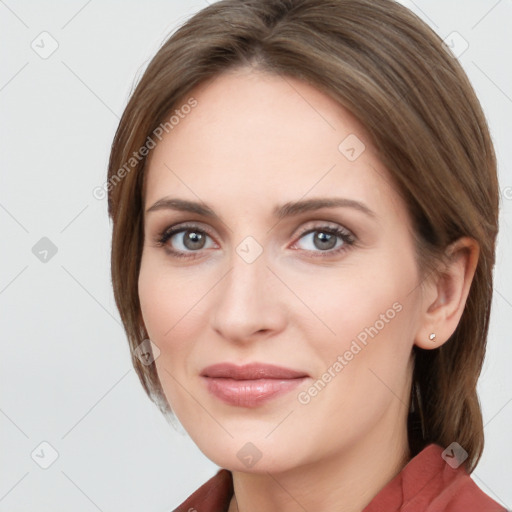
(256, 141)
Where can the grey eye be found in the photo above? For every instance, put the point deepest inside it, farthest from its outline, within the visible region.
(319, 240)
(190, 240)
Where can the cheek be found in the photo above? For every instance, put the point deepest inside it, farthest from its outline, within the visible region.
(174, 309)
(351, 300)
(167, 298)
(368, 317)
(154, 301)
(167, 306)
(366, 362)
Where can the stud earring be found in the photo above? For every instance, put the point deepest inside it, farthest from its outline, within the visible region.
(432, 337)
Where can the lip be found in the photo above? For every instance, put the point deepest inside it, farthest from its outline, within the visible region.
(252, 384)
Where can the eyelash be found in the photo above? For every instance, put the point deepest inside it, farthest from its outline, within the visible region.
(346, 236)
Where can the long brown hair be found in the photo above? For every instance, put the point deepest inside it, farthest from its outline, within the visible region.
(387, 67)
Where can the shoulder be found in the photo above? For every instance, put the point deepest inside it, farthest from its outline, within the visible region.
(464, 495)
(433, 481)
(213, 496)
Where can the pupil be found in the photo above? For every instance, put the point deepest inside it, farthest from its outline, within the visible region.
(324, 240)
(193, 240)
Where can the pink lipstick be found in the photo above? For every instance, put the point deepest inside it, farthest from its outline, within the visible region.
(252, 384)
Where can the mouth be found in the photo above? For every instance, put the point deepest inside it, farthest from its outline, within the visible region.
(250, 385)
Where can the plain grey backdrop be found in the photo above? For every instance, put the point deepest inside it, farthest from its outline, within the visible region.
(76, 430)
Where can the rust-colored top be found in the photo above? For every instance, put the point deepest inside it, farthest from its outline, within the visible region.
(426, 484)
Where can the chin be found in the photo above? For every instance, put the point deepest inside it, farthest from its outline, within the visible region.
(251, 453)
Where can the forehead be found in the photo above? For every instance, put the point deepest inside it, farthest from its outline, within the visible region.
(254, 136)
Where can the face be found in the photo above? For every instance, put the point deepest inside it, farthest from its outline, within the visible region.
(278, 277)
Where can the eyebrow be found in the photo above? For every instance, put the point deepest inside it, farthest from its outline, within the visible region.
(288, 209)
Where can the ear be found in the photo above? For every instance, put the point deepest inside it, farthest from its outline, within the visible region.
(445, 293)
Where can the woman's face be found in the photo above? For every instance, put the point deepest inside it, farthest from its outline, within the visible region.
(259, 273)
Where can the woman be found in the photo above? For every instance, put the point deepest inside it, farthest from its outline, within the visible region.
(305, 203)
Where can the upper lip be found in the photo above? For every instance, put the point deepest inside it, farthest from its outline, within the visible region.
(251, 371)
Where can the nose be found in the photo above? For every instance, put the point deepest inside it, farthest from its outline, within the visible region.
(249, 302)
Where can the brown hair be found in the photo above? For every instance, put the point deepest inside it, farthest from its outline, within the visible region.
(387, 67)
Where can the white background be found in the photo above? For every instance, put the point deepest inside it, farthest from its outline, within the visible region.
(65, 371)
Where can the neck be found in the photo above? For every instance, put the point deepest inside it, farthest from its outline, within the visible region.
(345, 481)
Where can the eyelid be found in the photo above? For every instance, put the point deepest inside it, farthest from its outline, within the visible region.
(323, 224)
(188, 225)
(317, 224)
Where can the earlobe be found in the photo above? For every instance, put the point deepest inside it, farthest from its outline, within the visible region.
(445, 294)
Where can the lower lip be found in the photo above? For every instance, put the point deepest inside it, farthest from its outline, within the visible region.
(250, 393)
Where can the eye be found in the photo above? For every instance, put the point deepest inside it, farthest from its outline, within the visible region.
(185, 239)
(325, 239)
